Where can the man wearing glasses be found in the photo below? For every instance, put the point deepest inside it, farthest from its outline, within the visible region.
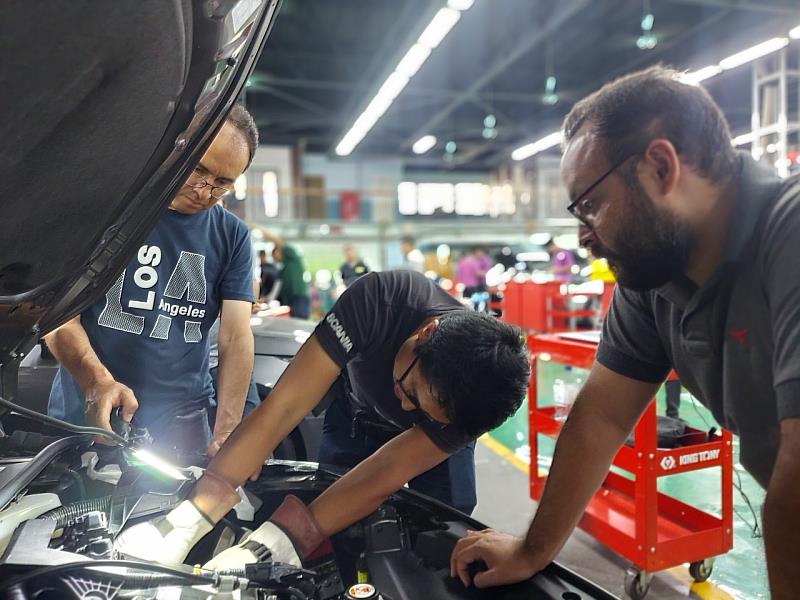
(426, 377)
(144, 347)
(704, 243)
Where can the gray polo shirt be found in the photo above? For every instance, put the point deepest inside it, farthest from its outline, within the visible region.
(735, 340)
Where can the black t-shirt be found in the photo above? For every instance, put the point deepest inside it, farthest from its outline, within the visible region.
(734, 341)
(352, 272)
(364, 331)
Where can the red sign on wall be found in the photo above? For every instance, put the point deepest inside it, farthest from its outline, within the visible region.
(349, 206)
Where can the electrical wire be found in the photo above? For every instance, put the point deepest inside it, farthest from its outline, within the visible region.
(190, 578)
(47, 420)
(755, 530)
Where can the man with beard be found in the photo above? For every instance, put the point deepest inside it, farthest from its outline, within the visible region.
(704, 244)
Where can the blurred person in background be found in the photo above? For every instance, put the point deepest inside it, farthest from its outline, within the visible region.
(268, 275)
(294, 291)
(353, 266)
(470, 274)
(413, 260)
(561, 261)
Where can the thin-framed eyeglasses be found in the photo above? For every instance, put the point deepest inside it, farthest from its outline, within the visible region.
(197, 182)
(582, 207)
(413, 399)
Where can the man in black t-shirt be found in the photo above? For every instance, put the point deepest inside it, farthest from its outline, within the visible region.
(427, 377)
(353, 266)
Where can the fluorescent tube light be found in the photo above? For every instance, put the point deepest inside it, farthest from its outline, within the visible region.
(461, 5)
(753, 53)
(795, 33)
(431, 37)
(393, 85)
(413, 60)
(528, 150)
(745, 138)
(695, 77)
(439, 27)
(423, 144)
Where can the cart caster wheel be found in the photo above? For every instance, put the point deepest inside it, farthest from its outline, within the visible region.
(701, 570)
(637, 583)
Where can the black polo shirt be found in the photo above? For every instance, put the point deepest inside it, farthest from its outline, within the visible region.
(734, 341)
(363, 333)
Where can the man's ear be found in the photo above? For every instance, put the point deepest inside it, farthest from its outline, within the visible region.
(665, 165)
(426, 332)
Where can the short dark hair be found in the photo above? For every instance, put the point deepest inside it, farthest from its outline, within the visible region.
(631, 111)
(478, 368)
(407, 239)
(243, 121)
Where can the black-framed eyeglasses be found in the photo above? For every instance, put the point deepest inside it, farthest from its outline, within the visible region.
(413, 399)
(197, 182)
(582, 207)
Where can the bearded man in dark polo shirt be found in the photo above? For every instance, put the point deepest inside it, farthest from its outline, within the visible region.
(426, 377)
(704, 243)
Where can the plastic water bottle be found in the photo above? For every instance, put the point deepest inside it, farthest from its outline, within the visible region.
(560, 400)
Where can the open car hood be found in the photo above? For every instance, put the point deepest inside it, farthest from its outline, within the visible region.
(106, 108)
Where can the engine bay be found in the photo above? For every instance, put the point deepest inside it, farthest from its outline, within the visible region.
(65, 499)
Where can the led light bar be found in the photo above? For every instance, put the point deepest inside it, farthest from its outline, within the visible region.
(753, 53)
(441, 24)
(528, 150)
(423, 144)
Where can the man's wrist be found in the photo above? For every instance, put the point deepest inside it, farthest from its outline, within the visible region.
(214, 496)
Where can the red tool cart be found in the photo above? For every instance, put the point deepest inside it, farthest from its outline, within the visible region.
(542, 307)
(651, 529)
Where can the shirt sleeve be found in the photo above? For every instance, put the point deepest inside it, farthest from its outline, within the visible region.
(237, 281)
(352, 323)
(782, 284)
(448, 439)
(630, 344)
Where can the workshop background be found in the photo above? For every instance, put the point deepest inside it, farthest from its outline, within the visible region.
(438, 121)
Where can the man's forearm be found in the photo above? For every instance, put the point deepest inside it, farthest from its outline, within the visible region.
(71, 347)
(584, 451)
(357, 491)
(233, 380)
(781, 540)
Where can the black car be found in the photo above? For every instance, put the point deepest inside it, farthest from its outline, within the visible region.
(107, 106)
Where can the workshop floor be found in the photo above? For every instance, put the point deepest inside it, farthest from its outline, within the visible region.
(502, 460)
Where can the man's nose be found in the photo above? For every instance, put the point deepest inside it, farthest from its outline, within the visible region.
(204, 193)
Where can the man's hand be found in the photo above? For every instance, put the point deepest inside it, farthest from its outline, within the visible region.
(216, 444)
(290, 535)
(102, 398)
(506, 556)
(167, 539)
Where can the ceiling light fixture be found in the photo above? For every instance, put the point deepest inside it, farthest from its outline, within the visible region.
(413, 60)
(460, 4)
(695, 77)
(528, 150)
(430, 38)
(439, 27)
(423, 144)
(745, 138)
(647, 41)
(691, 78)
(753, 53)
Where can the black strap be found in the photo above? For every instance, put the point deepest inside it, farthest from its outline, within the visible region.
(260, 551)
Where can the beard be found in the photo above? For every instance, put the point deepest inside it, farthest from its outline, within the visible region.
(652, 246)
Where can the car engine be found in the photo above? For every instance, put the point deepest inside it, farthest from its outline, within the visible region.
(64, 499)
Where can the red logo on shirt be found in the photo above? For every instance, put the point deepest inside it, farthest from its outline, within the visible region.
(739, 335)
